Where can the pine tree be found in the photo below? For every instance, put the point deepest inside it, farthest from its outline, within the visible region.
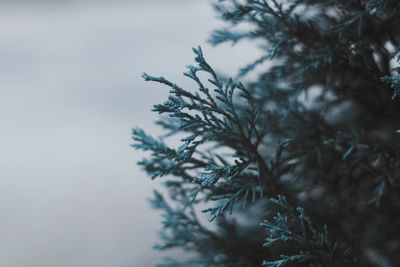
(300, 167)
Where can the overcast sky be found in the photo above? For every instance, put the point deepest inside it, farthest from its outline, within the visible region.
(70, 92)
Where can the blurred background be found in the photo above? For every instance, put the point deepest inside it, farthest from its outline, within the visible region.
(71, 193)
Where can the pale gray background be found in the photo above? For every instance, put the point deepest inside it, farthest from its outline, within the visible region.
(70, 92)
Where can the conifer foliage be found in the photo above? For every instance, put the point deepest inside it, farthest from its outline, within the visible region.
(299, 167)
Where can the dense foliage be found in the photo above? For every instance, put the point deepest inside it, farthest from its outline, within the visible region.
(299, 167)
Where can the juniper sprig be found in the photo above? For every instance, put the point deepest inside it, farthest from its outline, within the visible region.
(311, 144)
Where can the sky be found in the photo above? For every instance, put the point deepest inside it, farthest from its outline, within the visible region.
(71, 193)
